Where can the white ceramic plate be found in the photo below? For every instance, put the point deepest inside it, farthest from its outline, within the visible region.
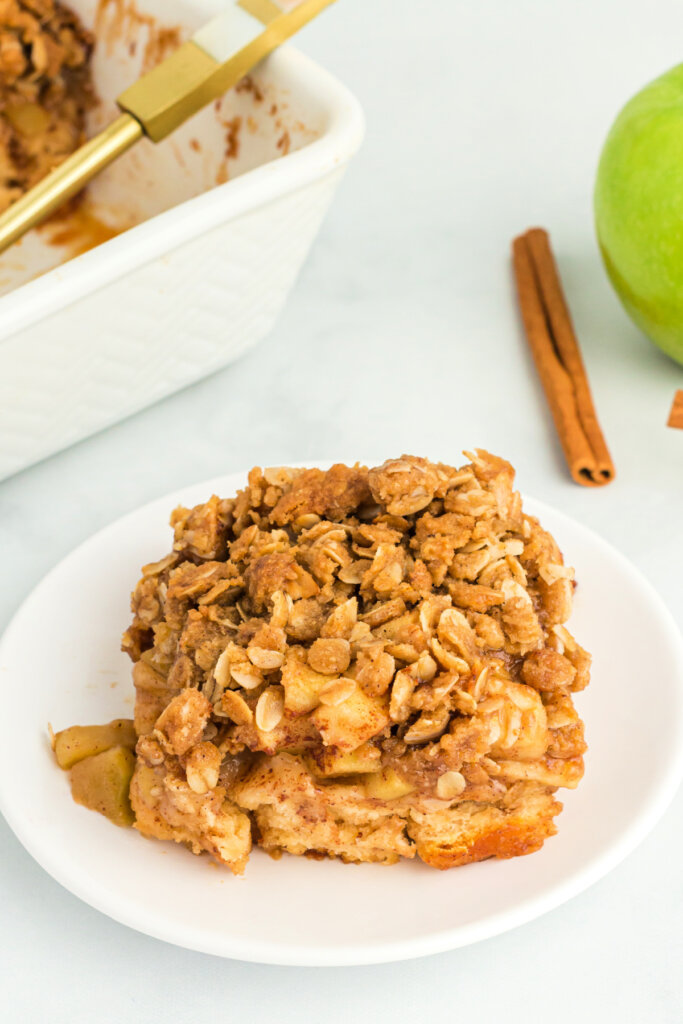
(60, 662)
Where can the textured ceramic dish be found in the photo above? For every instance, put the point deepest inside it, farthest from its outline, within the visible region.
(225, 213)
(298, 911)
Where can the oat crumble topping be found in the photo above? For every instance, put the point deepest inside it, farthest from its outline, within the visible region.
(45, 90)
(368, 664)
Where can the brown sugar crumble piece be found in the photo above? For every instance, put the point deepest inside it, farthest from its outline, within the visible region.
(367, 664)
(45, 91)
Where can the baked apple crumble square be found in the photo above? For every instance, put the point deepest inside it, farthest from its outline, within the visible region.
(359, 663)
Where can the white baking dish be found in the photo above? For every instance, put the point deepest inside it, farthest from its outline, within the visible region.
(207, 268)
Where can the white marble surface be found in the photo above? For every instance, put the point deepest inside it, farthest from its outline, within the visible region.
(402, 335)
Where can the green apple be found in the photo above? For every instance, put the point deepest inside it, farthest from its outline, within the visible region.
(639, 209)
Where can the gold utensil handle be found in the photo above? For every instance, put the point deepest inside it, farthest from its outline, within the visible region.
(192, 77)
(68, 179)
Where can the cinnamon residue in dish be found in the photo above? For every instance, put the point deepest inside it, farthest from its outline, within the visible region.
(247, 84)
(118, 20)
(232, 148)
(79, 229)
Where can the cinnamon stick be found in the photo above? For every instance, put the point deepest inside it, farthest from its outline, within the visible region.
(676, 414)
(555, 349)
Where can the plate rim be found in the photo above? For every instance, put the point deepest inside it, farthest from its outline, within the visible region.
(265, 952)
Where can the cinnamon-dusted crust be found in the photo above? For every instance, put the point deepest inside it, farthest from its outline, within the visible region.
(367, 664)
(45, 90)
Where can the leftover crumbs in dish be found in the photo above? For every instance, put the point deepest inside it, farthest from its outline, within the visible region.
(364, 664)
(45, 90)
